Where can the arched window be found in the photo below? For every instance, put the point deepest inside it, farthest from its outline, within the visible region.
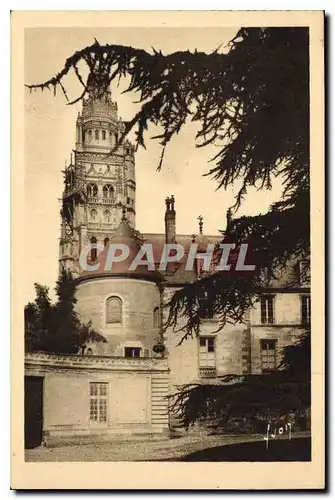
(107, 216)
(103, 135)
(92, 190)
(90, 134)
(157, 317)
(89, 352)
(114, 310)
(93, 214)
(106, 241)
(97, 135)
(108, 191)
(94, 252)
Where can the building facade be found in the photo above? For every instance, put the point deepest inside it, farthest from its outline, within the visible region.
(122, 385)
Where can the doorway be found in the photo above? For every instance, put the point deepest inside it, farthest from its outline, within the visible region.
(33, 411)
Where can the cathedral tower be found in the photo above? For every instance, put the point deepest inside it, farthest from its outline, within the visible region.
(99, 183)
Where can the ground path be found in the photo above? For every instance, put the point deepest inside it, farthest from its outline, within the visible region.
(134, 450)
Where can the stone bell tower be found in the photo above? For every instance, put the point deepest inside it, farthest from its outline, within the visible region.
(99, 183)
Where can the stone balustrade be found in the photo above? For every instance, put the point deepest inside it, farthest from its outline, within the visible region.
(207, 372)
(102, 201)
(58, 362)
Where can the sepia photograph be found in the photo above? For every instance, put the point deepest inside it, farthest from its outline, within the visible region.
(168, 196)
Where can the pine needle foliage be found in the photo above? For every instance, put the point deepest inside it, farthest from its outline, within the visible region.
(252, 398)
(56, 328)
(252, 102)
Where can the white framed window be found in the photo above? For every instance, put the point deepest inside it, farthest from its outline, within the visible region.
(98, 402)
(305, 309)
(268, 355)
(207, 352)
(267, 309)
(114, 310)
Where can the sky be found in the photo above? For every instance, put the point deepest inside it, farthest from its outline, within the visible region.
(50, 138)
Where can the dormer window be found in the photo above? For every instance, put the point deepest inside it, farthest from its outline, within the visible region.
(304, 272)
(132, 352)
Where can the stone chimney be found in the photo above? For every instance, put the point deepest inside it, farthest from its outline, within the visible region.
(170, 220)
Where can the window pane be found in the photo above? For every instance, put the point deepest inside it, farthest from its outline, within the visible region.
(210, 345)
(128, 352)
(268, 354)
(202, 341)
(93, 389)
(98, 402)
(103, 389)
(263, 310)
(270, 309)
(132, 352)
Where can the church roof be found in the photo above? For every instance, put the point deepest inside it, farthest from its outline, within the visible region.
(127, 236)
(177, 273)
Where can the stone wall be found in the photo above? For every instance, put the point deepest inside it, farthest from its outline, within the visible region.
(284, 335)
(287, 309)
(238, 346)
(139, 298)
(136, 402)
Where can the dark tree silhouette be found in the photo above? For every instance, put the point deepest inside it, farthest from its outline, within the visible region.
(253, 103)
(56, 328)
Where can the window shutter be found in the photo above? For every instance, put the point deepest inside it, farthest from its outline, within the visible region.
(146, 353)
